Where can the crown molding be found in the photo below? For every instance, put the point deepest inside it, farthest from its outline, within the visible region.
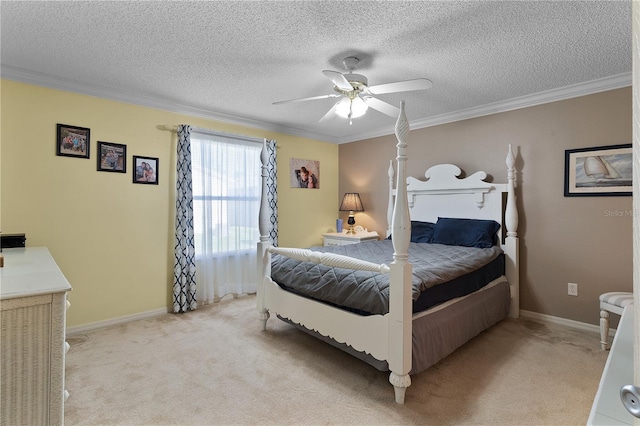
(554, 95)
(573, 91)
(45, 80)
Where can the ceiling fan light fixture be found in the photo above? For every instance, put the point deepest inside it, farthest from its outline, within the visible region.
(357, 96)
(351, 108)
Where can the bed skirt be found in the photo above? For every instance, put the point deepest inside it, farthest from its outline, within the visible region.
(442, 329)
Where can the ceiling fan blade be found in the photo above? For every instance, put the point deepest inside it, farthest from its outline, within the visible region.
(333, 95)
(401, 86)
(338, 79)
(381, 106)
(329, 113)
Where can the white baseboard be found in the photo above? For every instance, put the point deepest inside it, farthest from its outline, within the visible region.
(115, 321)
(542, 318)
(534, 316)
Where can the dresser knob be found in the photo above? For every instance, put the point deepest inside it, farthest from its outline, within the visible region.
(630, 396)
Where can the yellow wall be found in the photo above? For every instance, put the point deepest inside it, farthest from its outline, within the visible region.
(111, 238)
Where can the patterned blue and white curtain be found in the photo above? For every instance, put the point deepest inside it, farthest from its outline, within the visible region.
(272, 186)
(184, 269)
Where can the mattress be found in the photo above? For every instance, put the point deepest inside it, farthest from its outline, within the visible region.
(439, 273)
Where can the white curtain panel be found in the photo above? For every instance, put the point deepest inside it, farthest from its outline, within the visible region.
(226, 194)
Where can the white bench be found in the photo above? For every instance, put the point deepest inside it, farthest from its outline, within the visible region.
(614, 302)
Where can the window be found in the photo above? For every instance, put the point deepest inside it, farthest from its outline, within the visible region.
(226, 194)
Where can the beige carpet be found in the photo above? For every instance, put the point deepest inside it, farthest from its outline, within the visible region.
(215, 366)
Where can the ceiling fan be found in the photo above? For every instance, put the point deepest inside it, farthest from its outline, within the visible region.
(357, 95)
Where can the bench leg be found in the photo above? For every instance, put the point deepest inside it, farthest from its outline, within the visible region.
(604, 329)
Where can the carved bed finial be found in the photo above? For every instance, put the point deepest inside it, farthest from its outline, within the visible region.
(402, 125)
(401, 223)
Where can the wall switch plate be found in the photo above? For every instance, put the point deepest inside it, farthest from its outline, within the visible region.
(572, 289)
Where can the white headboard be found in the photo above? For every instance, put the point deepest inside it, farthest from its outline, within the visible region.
(444, 194)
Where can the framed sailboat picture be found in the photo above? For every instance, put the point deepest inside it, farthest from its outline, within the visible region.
(598, 171)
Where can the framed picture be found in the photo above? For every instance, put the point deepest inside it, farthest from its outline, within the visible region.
(145, 170)
(72, 141)
(304, 173)
(598, 171)
(112, 157)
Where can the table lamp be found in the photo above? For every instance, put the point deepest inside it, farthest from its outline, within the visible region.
(351, 203)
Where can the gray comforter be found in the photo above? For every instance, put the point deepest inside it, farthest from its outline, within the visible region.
(433, 264)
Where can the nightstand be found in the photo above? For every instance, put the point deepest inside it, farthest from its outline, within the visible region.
(342, 239)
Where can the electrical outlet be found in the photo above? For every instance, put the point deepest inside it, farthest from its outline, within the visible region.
(572, 289)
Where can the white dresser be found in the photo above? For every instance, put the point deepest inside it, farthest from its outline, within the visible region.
(33, 305)
(607, 407)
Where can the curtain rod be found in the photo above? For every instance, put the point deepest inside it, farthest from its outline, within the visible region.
(174, 129)
(167, 128)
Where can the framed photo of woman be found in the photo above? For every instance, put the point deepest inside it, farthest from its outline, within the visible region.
(304, 173)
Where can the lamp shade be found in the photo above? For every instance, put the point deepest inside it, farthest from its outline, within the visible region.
(351, 202)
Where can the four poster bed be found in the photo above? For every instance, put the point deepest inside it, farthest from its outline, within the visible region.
(448, 271)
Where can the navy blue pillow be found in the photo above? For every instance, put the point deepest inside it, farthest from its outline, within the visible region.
(421, 232)
(465, 232)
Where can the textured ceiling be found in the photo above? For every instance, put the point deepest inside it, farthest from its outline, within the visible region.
(231, 60)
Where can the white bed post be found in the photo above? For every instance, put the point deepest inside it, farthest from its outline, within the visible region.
(511, 241)
(400, 307)
(390, 173)
(264, 257)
